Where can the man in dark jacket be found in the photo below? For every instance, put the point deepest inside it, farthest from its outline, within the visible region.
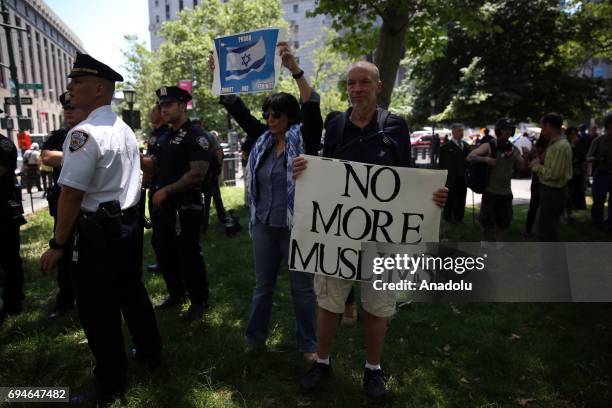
(453, 158)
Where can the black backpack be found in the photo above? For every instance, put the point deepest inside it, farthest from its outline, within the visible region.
(477, 173)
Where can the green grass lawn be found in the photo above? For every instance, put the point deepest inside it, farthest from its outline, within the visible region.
(437, 355)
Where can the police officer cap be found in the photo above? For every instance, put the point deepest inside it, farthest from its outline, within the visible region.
(86, 65)
(504, 123)
(172, 94)
(65, 101)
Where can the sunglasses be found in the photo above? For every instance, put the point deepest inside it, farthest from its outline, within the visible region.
(276, 115)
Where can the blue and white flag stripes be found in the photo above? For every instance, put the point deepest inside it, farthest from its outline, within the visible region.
(243, 60)
(247, 62)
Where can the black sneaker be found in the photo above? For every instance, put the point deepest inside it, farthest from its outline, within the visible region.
(374, 383)
(315, 375)
(170, 303)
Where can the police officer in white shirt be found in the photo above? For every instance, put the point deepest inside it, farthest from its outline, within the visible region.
(100, 182)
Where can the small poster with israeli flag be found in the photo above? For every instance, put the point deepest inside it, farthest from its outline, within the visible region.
(247, 62)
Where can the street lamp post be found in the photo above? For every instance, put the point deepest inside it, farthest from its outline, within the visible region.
(129, 94)
(432, 103)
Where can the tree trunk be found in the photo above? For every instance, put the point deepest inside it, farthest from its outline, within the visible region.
(390, 52)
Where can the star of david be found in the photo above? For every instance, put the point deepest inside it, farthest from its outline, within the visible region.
(246, 58)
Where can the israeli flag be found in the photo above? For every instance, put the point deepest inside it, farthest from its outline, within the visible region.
(242, 61)
(247, 62)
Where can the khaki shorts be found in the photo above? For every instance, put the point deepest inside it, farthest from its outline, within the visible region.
(332, 294)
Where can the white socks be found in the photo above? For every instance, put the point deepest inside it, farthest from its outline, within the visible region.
(369, 366)
(372, 366)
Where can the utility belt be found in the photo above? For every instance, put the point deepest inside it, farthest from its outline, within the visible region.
(178, 204)
(191, 200)
(107, 219)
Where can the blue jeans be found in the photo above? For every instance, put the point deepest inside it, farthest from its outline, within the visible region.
(270, 246)
(602, 186)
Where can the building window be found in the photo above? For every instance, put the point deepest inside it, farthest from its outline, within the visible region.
(2, 78)
(57, 84)
(297, 59)
(296, 45)
(181, 5)
(40, 62)
(296, 8)
(157, 19)
(195, 3)
(22, 62)
(49, 66)
(31, 53)
(167, 12)
(156, 3)
(296, 28)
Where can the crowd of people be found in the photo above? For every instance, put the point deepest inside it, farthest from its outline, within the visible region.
(99, 199)
(560, 161)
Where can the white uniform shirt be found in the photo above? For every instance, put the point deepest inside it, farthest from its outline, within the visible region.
(101, 158)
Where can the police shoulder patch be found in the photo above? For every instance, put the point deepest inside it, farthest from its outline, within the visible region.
(78, 140)
(203, 142)
(5, 144)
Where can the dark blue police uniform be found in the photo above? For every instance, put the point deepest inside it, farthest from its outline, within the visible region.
(10, 220)
(65, 296)
(176, 224)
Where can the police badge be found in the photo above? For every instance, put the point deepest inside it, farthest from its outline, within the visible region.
(78, 140)
(6, 145)
(203, 142)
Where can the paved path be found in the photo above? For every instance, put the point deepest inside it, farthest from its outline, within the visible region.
(34, 203)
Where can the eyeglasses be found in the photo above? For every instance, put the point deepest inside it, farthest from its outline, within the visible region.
(275, 115)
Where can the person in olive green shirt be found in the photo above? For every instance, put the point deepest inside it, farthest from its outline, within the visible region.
(553, 176)
(600, 154)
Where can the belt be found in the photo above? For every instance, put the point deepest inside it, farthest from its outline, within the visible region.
(127, 212)
(130, 211)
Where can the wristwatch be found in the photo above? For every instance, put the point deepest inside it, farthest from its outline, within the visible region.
(298, 75)
(54, 245)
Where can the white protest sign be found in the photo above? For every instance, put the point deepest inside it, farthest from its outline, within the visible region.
(340, 204)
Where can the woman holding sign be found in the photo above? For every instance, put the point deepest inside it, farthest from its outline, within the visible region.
(272, 146)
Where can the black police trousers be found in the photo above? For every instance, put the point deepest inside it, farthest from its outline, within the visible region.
(179, 255)
(107, 279)
(454, 209)
(65, 295)
(11, 264)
